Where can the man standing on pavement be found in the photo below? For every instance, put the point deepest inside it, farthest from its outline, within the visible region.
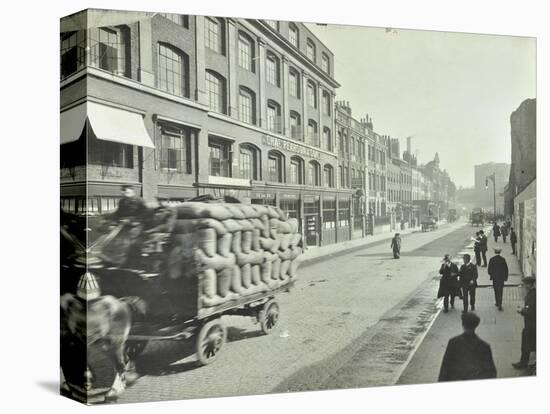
(513, 240)
(467, 356)
(496, 231)
(448, 285)
(477, 248)
(498, 273)
(504, 232)
(468, 282)
(396, 246)
(529, 313)
(483, 247)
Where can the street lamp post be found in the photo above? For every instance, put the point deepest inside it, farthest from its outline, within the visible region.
(492, 177)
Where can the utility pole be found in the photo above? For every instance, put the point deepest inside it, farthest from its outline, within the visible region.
(492, 177)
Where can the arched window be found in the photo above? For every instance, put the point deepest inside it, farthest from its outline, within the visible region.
(216, 90)
(327, 139)
(293, 35)
(275, 166)
(311, 94)
(246, 52)
(326, 103)
(273, 69)
(273, 116)
(296, 170)
(247, 105)
(328, 176)
(215, 34)
(312, 133)
(325, 63)
(173, 70)
(314, 173)
(295, 126)
(249, 161)
(294, 87)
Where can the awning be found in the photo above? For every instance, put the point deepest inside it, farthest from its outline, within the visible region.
(72, 123)
(118, 125)
(108, 124)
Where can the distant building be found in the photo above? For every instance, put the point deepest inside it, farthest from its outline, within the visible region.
(484, 196)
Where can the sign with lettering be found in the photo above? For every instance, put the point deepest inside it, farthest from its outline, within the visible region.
(282, 144)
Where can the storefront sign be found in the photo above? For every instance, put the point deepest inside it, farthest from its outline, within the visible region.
(278, 143)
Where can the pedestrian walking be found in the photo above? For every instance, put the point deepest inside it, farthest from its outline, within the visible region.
(496, 231)
(504, 232)
(483, 247)
(477, 248)
(396, 246)
(467, 356)
(468, 283)
(513, 240)
(448, 284)
(498, 273)
(529, 313)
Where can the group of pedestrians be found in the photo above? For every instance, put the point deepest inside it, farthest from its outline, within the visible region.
(467, 356)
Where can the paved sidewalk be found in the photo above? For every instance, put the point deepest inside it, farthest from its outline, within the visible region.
(502, 330)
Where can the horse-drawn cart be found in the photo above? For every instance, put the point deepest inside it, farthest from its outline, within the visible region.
(428, 223)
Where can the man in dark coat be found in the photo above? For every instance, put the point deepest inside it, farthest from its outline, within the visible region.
(498, 273)
(483, 247)
(467, 356)
(504, 231)
(496, 231)
(477, 248)
(396, 246)
(468, 282)
(529, 313)
(448, 284)
(130, 205)
(513, 240)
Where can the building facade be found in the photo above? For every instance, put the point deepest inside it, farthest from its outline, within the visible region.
(223, 106)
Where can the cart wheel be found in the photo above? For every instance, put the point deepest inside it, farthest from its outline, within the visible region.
(269, 316)
(210, 341)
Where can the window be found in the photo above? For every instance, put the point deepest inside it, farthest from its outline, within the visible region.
(109, 153)
(326, 103)
(313, 136)
(342, 178)
(293, 35)
(273, 116)
(327, 139)
(325, 63)
(215, 88)
(247, 106)
(295, 125)
(346, 176)
(248, 162)
(294, 83)
(246, 52)
(311, 95)
(219, 159)
(272, 71)
(173, 149)
(296, 170)
(214, 35)
(73, 52)
(172, 70)
(108, 47)
(314, 173)
(310, 51)
(328, 176)
(181, 19)
(275, 166)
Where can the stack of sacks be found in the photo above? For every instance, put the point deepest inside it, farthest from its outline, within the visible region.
(240, 249)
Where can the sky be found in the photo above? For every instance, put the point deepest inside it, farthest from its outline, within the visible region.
(453, 92)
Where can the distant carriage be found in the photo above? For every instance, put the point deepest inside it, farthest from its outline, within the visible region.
(477, 217)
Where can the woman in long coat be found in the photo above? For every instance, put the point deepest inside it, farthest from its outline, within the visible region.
(448, 284)
(396, 246)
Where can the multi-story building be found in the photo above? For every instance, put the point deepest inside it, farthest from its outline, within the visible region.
(180, 106)
(484, 192)
(352, 137)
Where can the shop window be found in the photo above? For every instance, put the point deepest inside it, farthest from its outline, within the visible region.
(109, 153)
(329, 213)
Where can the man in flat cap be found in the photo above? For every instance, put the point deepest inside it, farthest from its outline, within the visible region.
(529, 313)
(498, 273)
(467, 356)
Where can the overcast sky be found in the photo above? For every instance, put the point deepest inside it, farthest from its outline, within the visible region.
(454, 92)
